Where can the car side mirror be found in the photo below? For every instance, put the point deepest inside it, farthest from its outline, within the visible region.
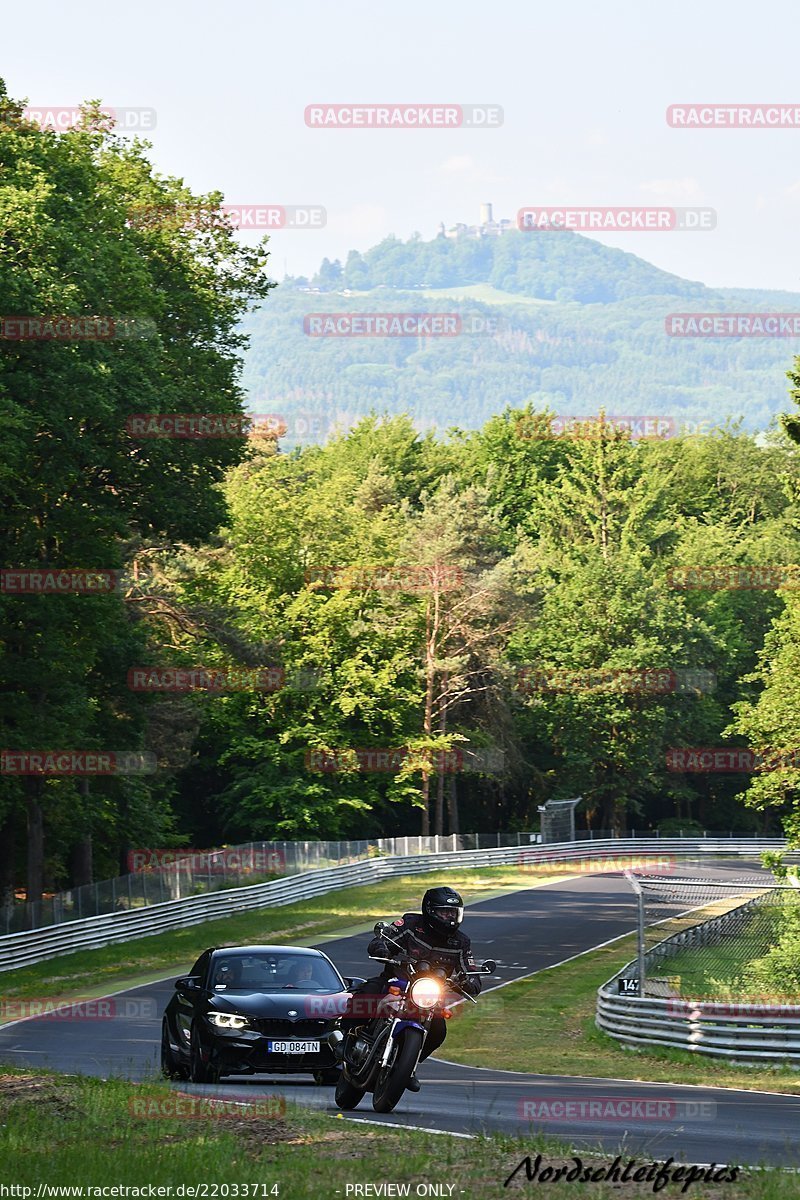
(490, 966)
(186, 983)
(379, 927)
(351, 983)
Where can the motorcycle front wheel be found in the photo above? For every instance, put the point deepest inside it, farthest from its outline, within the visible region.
(393, 1079)
(347, 1096)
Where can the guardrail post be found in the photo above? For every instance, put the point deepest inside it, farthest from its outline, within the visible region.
(634, 882)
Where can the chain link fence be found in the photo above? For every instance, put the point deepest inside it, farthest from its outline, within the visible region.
(558, 819)
(163, 875)
(175, 874)
(711, 939)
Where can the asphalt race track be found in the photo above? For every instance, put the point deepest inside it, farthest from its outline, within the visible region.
(524, 932)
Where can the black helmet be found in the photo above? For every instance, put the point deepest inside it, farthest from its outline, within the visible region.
(443, 908)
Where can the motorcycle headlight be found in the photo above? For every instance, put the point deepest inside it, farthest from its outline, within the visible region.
(227, 1020)
(426, 992)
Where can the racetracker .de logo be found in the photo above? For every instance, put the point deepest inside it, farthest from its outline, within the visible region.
(616, 1108)
(734, 578)
(208, 679)
(202, 216)
(727, 760)
(77, 762)
(392, 759)
(58, 118)
(734, 116)
(248, 859)
(107, 1008)
(643, 427)
(734, 325)
(617, 219)
(47, 328)
(537, 861)
(349, 325)
(300, 424)
(403, 116)
(57, 581)
(366, 1005)
(201, 425)
(276, 216)
(179, 1106)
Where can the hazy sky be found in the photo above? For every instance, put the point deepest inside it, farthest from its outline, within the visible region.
(584, 88)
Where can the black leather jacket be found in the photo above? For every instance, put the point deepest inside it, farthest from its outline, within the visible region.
(411, 935)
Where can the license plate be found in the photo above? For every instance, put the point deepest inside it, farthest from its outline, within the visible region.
(309, 1047)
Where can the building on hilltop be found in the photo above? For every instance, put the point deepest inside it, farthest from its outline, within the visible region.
(486, 227)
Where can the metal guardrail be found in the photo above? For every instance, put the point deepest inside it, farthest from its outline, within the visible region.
(158, 876)
(38, 945)
(743, 1030)
(768, 1032)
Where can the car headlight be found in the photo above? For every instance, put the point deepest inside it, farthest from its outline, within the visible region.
(227, 1020)
(426, 992)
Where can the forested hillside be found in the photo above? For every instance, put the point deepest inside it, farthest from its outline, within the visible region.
(561, 321)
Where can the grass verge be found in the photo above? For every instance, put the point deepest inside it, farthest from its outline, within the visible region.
(82, 1133)
(545, 1024)
(88, 973)
(718, 972)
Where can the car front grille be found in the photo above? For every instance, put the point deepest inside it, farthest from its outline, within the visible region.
(290, 1029)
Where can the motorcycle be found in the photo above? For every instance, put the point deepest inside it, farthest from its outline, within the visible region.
(382, 1055)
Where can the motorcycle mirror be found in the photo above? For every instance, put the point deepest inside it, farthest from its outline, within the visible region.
(379, 927)
(490, 966)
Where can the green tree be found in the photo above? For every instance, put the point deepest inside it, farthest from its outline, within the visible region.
(74, 482)
(769, 721)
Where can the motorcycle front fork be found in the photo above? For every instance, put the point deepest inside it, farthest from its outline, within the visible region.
(390, 1044)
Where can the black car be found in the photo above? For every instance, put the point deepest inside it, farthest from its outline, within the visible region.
(244, 1010)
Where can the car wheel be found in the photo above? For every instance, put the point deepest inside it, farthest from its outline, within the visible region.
(170, 1067)
(200, 1071)
(328, 1077)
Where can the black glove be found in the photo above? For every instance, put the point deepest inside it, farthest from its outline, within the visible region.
(382, 947)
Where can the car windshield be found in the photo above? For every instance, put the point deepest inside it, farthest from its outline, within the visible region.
(273, 973)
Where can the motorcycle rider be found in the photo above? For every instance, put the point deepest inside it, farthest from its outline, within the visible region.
(433, 936)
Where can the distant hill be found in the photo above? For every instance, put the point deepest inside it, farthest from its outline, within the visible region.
(551, 317)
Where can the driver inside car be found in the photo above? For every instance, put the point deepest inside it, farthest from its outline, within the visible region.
(303, 973)
(228, 973)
